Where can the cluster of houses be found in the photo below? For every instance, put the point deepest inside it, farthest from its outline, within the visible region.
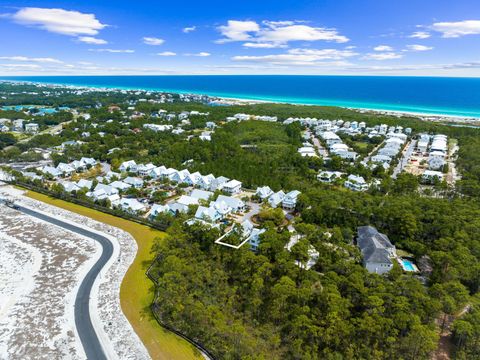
(352, 181)
(18, 125)
(307, 149)
(336, 146)
(436, 146)
(65, 170)
(391, 148)
(287, 201)
(245, 117)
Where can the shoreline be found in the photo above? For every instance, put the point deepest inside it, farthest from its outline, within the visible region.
(234, 100)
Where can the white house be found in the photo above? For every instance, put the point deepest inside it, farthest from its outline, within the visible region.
(264, 192)
(69, 186)
(144, 170)
(290, 200)
(201, 194)
(329, 176)
(132, 205)
(130, 166)
(51, 171)
(85, 184)
(134, 181)
(436, 162)
(31, 128)
(120, 185)
(217, 184)
(276, 199)
(232, 187)
(158, 209)
(88, 161)
(208, 214)
(205, 181)
(431, 175)
(356, 183)
(157, 172)
(65, 169)
(235, 204)
(307, 151)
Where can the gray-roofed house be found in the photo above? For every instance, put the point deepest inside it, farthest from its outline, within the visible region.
(376, 248)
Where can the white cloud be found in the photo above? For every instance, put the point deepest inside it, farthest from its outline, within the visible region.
(383, 48)
(200, 54)
(419, 47)
(300, 56)
(21, 66)
(458, 28)
(420, 35)
(166, 53)
(153, 41)
(59, 21)
(125, 51)
(237, 30)
(29, 59)
(189, 29)
(275, 33)
(263, 45)
(382, 56)
(92, 40)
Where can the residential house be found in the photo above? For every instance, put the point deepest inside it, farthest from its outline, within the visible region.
(377, 250)
(208, 214)
(232, 187)
(205, 181)
(145, 170)
(69, 186)
(235, 204)
(201, 194)
(134, 181)
(157, 172)
(356, 183)
(217, 184)
(85, 184)
(49, 170)
(290, 200)
(276, 199)
(329, 176)
(132, 206)
(158, 209)
(65, 169)
(31, 128)
(120, 185)
(128, 166)
(264, 192)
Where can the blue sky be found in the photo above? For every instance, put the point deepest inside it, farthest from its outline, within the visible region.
(378, 37)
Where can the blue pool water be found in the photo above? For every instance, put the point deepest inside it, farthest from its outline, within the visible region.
(407, 265)
(432, 95)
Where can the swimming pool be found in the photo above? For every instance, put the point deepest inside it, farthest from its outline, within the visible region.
(408, 265)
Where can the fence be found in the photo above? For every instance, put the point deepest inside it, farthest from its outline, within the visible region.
(154, 305)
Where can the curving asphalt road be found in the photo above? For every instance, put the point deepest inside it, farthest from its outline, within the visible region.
(90, 342)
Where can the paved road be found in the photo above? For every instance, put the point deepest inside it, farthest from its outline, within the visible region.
(321, 150)
(404, 159)
(83, 322)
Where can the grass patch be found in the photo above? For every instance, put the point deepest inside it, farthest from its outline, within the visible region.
(136, 292)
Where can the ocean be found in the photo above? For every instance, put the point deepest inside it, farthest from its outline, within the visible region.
(426, 95)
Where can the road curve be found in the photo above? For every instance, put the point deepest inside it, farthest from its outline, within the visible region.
(83, 322)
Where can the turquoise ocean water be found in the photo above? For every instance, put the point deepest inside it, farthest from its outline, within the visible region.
(430, 95)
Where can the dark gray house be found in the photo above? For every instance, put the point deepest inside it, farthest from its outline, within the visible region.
(376, 248)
